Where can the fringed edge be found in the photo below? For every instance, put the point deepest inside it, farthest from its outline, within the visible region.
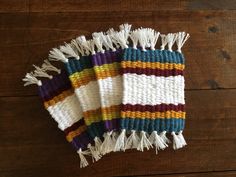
(30, 79)
(178, 140)
(83, 160)
(120, 141)
(147, 38)
(94, 153)
(47, 66)
(108, 143)
(158, 141)
(57, 55)
(144, 142)
(141, 140)
(68, 50)
(120, 38)
(133, 140)
(40, 72)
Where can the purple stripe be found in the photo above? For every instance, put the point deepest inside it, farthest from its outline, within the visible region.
(81, 141)
(113, 124)
(55, 86)
(106, 58)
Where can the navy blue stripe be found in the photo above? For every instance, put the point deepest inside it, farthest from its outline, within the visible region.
(162, 56)
(149, 125)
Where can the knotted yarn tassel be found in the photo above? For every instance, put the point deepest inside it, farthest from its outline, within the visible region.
(144, 142)
(83, 160)
(177, 144)
(97, 144)
(157, 141)
(181, 138)
(164, 137)
(121, 141)
(107, 145)
(95, 154)
(31, 79)
(114, 139)
(132, 141)
(181, 38)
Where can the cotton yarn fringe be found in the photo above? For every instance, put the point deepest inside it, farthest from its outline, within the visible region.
(117, 91)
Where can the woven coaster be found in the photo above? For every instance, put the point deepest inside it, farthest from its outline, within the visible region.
(61, 102)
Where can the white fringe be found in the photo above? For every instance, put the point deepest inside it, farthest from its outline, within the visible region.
(181, 138)
(134, 36)
(126, 28)
(111, 33)
(164, 137)
(97, 144)
(114, 139)
(56, 55)
(121, 141)
(152, 37)
(119, 38)
(47, 66)
(164, 41)
(86, 45)
(107, 145)
(157, 141)
(77, 47)
(31, 79)
(145, 37)
(107, 42)
(69, 51)
(182, 37)
(39, 72)
(178, 142)
(132, 141)
(144, 142)
(95, 154)
(98, 41)
(83, 160)
(171, 38)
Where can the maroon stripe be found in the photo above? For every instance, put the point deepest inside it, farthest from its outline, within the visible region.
(156, 72)
(74, 126)
(153, 108)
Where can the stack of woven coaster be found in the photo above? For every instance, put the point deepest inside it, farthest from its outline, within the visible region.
(116, 91)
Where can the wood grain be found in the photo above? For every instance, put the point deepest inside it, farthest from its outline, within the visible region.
(111, 6)
(30, 143)
(27, 39)
(30, 139)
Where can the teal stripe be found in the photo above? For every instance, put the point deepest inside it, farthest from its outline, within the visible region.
(150, 125)
(96, 129)
(162, 56)
(74, 65)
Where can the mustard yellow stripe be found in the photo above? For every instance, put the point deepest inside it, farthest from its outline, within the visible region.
(107, 70)
(75, 133)
(152, 115)
(82, 78)
(151, 65)
(112, 112)
(58, 98)
(92, 116)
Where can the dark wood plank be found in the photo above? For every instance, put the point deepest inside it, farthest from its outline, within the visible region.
(204, 174)
(210, 52)
(111, 6)
(30, 139)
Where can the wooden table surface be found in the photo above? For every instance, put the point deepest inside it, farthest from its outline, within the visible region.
(30, 143)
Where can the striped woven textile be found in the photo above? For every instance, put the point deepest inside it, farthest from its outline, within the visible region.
(106, 64)
(78, 63)
(153, 96)
(61, 102)
(117, 91)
